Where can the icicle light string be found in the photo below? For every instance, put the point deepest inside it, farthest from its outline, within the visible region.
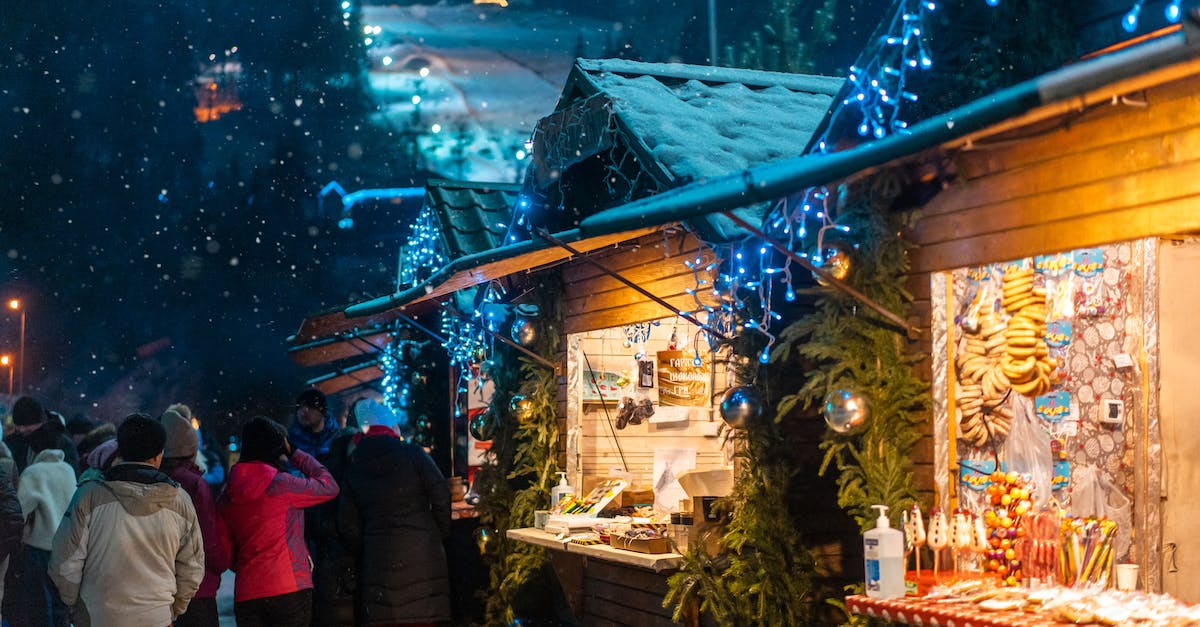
(878, 92)
(424, 251)
(397, 375)
(1173, 12)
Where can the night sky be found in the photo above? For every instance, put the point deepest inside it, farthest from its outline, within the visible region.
(165, 256)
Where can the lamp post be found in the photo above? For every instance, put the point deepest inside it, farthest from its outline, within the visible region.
(15, 305)
(6, 360)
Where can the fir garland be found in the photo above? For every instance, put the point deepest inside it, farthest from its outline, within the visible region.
(853, 349)
(521, 466)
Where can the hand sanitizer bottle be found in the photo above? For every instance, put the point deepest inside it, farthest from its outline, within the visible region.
(559, 491)
(883, 548)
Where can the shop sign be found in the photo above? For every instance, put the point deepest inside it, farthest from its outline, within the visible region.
(683, 381)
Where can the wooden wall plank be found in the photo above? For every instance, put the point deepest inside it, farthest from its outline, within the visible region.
(1169, 107)
(1171, 217)
(1066, 185)
(639, 312)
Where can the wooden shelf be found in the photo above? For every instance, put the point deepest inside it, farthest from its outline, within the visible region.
(655, 562)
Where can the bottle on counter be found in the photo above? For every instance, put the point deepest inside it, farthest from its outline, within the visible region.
(563, 489)
(883, 548)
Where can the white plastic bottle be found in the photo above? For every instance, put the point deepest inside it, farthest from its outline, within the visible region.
(883, 548)
(562, 489)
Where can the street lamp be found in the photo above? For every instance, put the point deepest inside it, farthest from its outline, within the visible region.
(15, 305)
(6, 360)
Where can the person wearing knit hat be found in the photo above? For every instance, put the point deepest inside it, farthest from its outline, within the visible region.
(27, 417)
(44, 490)
(314, 429)
(100, 459)
(179, 463)
(261, 525)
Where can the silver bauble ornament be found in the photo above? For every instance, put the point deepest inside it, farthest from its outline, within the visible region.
(521, 408)
(483, 426)
(484, 537)
(741, 406)
(524, 331)
(845, 411)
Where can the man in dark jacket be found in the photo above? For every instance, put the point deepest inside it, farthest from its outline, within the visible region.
(314, 429)
(30, 424)
(12, 523)
(395, 509)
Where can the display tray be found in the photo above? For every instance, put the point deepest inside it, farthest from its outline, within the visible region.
(919, 611)
(641, 545)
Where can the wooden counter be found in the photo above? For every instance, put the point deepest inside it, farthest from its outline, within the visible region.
(657, 562)
(607, 586)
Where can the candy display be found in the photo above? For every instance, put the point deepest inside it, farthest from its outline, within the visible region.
(1087, 551)
(939, 535)
(1009, 498)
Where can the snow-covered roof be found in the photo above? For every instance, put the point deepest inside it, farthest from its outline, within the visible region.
(700, 121)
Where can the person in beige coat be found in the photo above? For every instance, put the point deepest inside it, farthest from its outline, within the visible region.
(129, 551)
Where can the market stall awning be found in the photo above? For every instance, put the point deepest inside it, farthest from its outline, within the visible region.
(488, 265)
(349, 378)
(1079, 85)
(469, 216)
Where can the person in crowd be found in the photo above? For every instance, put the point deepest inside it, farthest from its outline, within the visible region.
(45, 490)
(211, 459)
(314, 429)
(261, 525)
(104, 433)
(179, 463)
(9, 466)
(78, 427)
(53, 435)
(12, 522)
(27, 417)
(129, 552)
(395, 511)
(334, 565)
(99, 460)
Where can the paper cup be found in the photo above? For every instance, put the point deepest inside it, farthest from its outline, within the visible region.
(541, 516)
(1127, 576)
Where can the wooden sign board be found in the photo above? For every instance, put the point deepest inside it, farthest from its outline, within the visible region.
(681, 381)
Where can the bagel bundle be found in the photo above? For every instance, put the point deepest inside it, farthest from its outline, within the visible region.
(1026, 362)
(982, 382)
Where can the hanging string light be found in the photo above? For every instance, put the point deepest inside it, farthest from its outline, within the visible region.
(747, 273)
(424, 252)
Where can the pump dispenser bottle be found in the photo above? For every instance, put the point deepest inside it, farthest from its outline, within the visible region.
(562, 489)
(883, 548)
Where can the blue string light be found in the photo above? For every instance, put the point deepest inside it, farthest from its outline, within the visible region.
(744, 275)
(424, 251)
(1130, 21)
(1174, 12)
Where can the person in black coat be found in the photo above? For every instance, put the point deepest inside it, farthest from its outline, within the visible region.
(12, 522)
(395, 510)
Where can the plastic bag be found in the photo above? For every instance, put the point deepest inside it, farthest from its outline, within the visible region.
(1093, 494)
(1027, 449)
(1087, 493)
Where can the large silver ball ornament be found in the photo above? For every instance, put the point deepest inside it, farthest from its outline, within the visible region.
(483, 426)
(845, 411)
(741, 406)
(524, 331)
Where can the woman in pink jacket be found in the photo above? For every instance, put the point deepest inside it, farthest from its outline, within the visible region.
(261, 524)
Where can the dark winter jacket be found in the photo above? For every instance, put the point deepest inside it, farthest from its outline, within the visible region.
(260, 521)
(315, 444)
(396, 511)
(216, 561)
(335, 566)
(12, 521)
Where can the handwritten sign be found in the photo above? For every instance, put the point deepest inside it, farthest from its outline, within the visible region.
(683, 379)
